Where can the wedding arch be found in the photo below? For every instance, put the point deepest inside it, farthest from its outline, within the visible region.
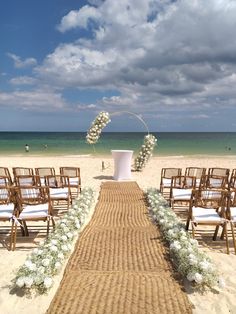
(101, 121)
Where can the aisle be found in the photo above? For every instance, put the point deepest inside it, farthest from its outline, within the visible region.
(119, 264)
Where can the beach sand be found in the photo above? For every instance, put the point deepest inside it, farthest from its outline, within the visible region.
(218, 301)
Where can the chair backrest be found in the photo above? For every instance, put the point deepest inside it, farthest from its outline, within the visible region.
(54, 181)
(4, 181)
(21, 171)
(219, 171)
(214, 181)
(232, 181)
(183, 182)
(195, 172)
(170, 172)
(27, 180)
(209, 198)
(70, 171)
(6, 195)
(32, 195)
(4, 172)
(45, 171)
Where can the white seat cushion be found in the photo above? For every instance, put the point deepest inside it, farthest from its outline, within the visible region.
(166, 182)
(233, 213)
(74, 181)
(6, 210)
(208, 194)
(215, 182)
(201, 214)
(30, 193)
(34, 211)
(59, 193)
(181, 194)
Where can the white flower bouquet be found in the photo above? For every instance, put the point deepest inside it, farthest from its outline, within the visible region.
(192, 264)
(46, 260)
(97, 126)
(145, 153)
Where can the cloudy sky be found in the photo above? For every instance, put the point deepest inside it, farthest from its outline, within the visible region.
(171, 62)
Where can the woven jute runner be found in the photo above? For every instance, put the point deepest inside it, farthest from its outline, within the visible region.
(120, 264)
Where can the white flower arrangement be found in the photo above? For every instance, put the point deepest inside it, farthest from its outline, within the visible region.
(145, 153)
(192, 264)
(46, 260)
(97, 125)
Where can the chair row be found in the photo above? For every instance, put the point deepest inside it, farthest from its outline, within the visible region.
(40, 176)
(22, 204)
(193, 177)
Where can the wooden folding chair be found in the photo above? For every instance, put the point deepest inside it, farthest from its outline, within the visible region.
(73, 174)
(165, 183)
(33, 204)
(59, 189)
(208, 207)
(7, 208)
(181, 189)
(231, 213)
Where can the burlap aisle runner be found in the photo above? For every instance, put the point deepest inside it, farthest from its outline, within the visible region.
(119, 264)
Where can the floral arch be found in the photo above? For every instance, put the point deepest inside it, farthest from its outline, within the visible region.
(146, 150)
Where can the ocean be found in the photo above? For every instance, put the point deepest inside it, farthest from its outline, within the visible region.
(74, 143)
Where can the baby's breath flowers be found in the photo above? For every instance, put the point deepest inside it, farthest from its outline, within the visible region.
(97, 125)
(192, 264)
(145, 152)
(46, 260)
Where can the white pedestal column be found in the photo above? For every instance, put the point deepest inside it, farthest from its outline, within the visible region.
(122, 164)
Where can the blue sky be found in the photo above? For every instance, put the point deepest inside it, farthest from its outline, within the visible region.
(171, 62)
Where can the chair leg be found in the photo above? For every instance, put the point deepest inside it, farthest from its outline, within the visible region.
(193, 229)
(226, 237)
(12, 235)
(48, 225)
(233, 235)
(222, 233)
(215, 233)
(187, 224)
(25, 228)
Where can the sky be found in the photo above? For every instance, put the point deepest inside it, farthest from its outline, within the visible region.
(171, 62)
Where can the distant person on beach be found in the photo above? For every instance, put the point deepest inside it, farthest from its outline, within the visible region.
(26, 148)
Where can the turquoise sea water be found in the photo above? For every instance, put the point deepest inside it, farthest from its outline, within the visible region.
(73, 143)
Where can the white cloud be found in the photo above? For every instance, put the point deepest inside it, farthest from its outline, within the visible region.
(23, 80)
(157, 54)
(78, 18)
(18, 63)
(33, 100)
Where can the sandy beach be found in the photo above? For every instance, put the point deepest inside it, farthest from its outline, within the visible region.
(218, 301)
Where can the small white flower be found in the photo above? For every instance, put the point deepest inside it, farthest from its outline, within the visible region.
(28, 282)
(45, 262)
(198, 278)
(47, 282)
(221, 283)
(60, 255)
(64, 238)
(31, 266)
(57, 265)
(53, 248)
(20, 282)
